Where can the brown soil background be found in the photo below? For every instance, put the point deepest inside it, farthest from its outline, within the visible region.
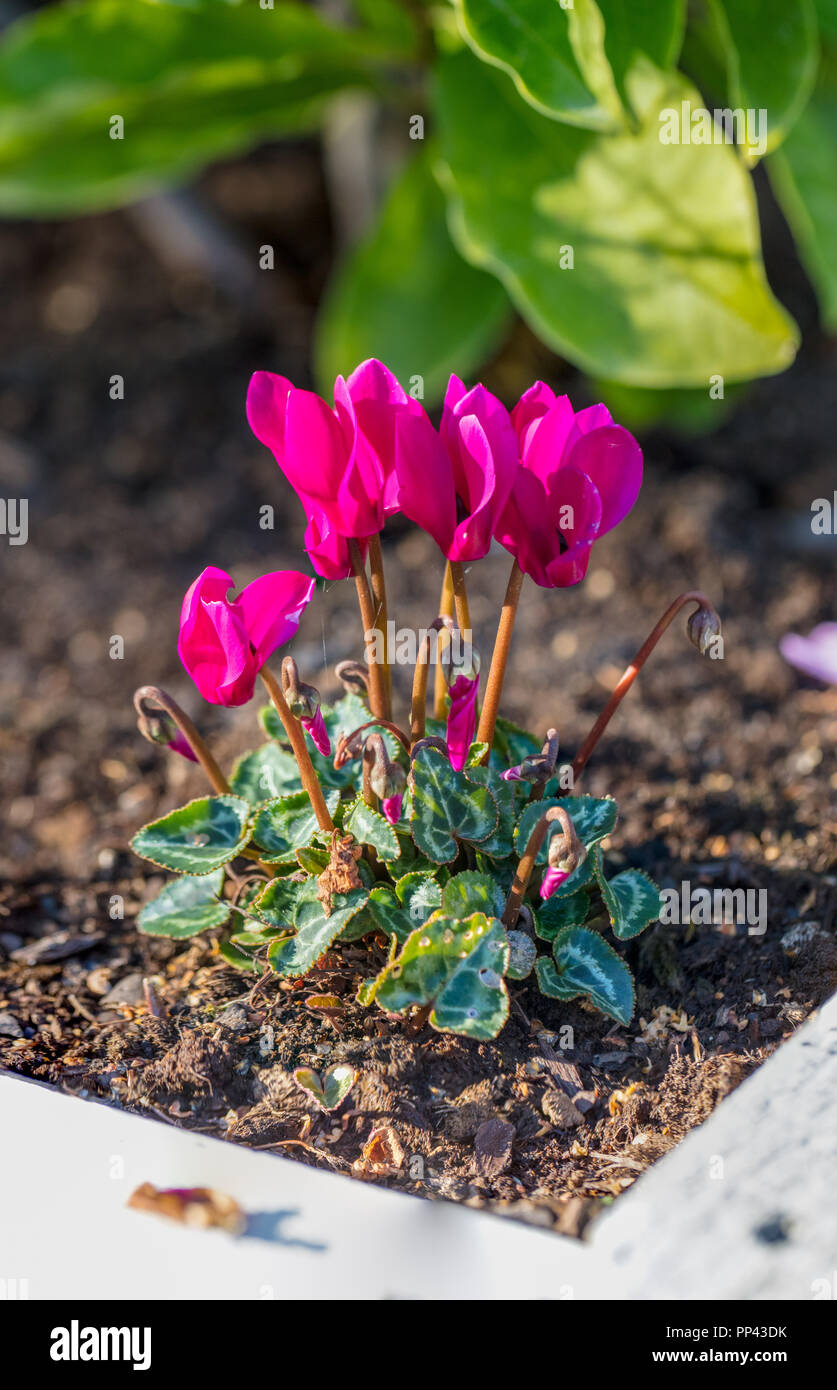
(724, 770)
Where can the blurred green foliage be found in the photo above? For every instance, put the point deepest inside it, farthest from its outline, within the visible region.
(543, 185)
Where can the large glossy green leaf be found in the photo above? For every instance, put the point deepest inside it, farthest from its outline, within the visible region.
(408, 273)
(185, 907)
(287, 824)
(190, 83)
(667, 286)
(197, 837)
(265, 773)
(771, 50)
(803, 176)
(533, 43)
(633, 27)
(458, 966)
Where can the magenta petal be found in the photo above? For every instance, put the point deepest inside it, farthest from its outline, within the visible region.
(612, 460)
(462, 719)
(391, 807)
(317, 732)
(425, 478)
(531, 408)
(544, 442)
(815, 654)
(316, 454)
(327, 550)
(211, 584)
(511, 774)
(271, 607)
(552, 879)
(179, 745)
(216, 653)
(267, 399)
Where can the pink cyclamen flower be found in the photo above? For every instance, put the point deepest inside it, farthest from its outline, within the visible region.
(391, 807)
(580, 475)
(455, 484)
(225, 642)
(340, 461)
(317, 732)
(815, 654)
(462, 719)
(552, 879)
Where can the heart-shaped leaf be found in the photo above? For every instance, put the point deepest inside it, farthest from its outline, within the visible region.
(198, 837)
(185, 907)
(287, 824)
(557, 913)
(447, 807)
(265, 773)
(330, 1090)
(471, 892)
(371, 828)
(458, 967)
(585, 964)
(509, 797)
(292, 956)
(632, 899)
(276, 904)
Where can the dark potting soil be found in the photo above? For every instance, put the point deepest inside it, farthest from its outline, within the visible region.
(723, 770)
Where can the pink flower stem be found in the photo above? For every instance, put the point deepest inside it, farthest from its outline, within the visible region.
(367, 617)
(445, 611)
(158, 699)
(296, 738)
(630, 674)
(379, 595)
(528, 859)
(499, 659)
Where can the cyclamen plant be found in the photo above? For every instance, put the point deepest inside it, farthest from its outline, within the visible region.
(456, 848)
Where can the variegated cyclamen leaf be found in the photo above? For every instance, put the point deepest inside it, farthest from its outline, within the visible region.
(512, 744)
(287, 824)
(292, 956)
(265, 773)
(330, 1090)
(420, 895)
(585, 964)
(552, 916)
(371, 828)
(632, 899)
(470, 892)
(447, 808)
(341, 718)
(458, 967)
(198, 837)
(522, 955)
(509, 798)
(276, 904)
(185, 907)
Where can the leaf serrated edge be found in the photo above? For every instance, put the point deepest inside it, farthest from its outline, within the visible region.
(225, 796)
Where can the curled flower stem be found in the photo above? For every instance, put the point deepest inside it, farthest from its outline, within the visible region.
(445, 611)
(631, 672)
(296, 738)
(379, 595)
(367, 617)
(527, 862)
(344, 753)
(418, 706)
(460, 599)
(159, 699)
(499, 658)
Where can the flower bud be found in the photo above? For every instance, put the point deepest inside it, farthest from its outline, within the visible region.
(703, 627)
(536, 768)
